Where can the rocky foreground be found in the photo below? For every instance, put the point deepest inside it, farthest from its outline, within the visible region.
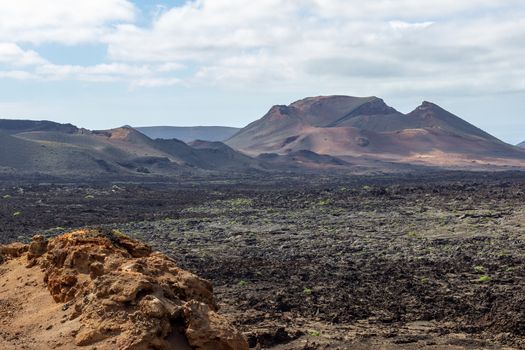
(101, 289)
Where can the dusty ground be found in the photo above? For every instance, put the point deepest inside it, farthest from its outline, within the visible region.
(25, 311)
(431, 262)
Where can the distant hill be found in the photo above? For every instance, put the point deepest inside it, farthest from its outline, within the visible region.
(315, 133)
(219, 155)
(522, 145)
(120, 151)
(188, 134)
(345, 126)
(303, 159)
(12, 126)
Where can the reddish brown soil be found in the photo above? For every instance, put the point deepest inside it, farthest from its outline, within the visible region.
(101, 289)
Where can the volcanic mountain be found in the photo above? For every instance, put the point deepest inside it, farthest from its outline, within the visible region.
(13, 126)
(62, 149)
(189, 133)
(367, 128)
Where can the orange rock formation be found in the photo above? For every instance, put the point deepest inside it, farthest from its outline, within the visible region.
(109, 291)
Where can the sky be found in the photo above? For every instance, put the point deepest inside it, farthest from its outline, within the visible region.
(106, 63)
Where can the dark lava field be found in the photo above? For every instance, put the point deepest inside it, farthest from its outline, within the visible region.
(434, 260)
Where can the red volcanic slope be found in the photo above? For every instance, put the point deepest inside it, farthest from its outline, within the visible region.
(366, 127)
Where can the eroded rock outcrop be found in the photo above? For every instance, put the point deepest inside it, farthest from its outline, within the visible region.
(119, 290)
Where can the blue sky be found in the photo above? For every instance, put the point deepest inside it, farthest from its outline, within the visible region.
(106, 63)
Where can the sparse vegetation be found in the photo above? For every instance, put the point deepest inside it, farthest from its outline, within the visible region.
(479, 269)
(484, 279)
(314, 333)
(323, 202)
(257, 245)
(240, 202)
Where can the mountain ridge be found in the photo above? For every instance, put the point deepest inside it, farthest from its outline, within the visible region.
(322, 132)
(120, 151)
(366, 126)
(189, 133)
(14, 126)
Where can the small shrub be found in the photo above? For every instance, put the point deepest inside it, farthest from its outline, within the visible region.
(307, 291)
(119, 233)
(484, 279)
(240, 202)
(242, 283)
(479, 269)
(314, 333)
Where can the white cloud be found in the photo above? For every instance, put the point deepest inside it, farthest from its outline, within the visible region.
(406, 25)
(156, 82)
(62, 21)
(11, 53)
(376, 46)
(386, 44)
(169, 67)
(407, 10)
(113, 69)
(66, 22)
(134, 74)
(17, 74)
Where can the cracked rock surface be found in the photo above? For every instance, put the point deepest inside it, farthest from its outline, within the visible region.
(108, 291)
